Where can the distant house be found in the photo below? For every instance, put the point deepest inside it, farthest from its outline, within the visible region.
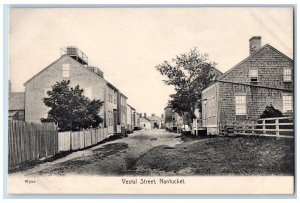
(130, 118)
(173, 121)
(122, 110)
(145, 123)
(155, 121)
(137, 125)
(16, 106)
(241, 94)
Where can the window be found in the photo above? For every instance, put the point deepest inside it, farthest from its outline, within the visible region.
(287, 74)
(88, 92)
(240, 105)
(287, 103)
(66, 70)
(253, 74)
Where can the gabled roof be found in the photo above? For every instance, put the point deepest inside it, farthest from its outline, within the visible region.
(16, 101)
(218, 72)
(131, 107)
(143, 119)
(45, 69)
(112, 86)
(252, 55)
(154, 118)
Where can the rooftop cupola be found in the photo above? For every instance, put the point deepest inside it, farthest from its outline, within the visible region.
(76, 54)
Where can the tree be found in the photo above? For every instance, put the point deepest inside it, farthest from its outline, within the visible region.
(70, 109)
(189, 73)
(271, 112)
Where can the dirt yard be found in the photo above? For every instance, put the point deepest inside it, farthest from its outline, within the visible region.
(157, 152)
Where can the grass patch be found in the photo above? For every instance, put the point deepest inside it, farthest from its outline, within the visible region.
(223, 156)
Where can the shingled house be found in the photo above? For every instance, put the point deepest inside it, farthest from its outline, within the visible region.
(241, 94)
(16, 106)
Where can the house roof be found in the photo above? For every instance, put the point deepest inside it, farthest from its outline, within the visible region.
(131, 107)
(218, 72)
(153, 118)
(66, 55)
(16, 101)
(252, 55)
(112, 86)
(143, 119)
(46, 68)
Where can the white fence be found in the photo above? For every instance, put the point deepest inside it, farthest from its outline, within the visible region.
(68, 141)
(274, 127)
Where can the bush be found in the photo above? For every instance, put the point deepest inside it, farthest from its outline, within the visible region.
(271, 112)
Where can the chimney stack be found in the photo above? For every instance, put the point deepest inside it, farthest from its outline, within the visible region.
(153, 115)
(145, 115)
(254, 44)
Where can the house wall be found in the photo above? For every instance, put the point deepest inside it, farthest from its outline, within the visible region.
(145, 125)
(137, 120)
(257, 98)
(270, 65)
(268, 89)
(111, 105)
(35, 89)
(129, 118)
(122, 110)
(210, 109)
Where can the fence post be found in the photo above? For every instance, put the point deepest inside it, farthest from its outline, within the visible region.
(71, 140)
(277, 126)
(252, 127)
(264, 126)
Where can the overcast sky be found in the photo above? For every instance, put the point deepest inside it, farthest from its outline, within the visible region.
(127, 44)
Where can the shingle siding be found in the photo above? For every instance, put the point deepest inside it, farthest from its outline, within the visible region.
(257, 98)
(270, 64)
(269, 88)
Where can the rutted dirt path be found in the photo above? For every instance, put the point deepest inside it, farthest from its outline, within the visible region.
(113, 158)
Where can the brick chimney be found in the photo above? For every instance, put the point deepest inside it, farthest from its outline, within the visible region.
(153, 115)
(145, 115)
(254, 44)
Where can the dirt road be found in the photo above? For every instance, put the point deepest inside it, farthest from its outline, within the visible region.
(113, 158)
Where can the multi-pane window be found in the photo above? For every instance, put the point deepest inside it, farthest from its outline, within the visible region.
(88, 92)
(287, 74)
(240, 105)
(66, 70)
(287, 103)
(253, 74)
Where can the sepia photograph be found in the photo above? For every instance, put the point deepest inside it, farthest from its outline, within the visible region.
(151, 100)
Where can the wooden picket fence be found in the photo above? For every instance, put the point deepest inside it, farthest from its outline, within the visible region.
(71, 141)
(35, 141)
(272, 127)
(31, 141)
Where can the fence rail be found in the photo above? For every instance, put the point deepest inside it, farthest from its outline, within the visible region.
(31, 141)
(274, 127)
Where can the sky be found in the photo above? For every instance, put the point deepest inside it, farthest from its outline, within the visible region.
(127, 43)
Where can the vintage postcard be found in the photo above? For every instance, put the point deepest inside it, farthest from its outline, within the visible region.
(151, 100)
